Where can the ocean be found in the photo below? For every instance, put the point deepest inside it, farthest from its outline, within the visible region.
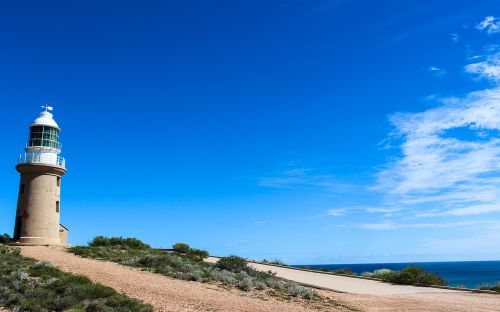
(471, 274)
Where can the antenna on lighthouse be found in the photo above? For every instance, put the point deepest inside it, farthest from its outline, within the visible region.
(47, 107)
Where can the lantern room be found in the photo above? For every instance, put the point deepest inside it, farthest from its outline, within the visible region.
(43, 145)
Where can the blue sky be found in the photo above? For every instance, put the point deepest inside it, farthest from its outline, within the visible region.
(309, 131)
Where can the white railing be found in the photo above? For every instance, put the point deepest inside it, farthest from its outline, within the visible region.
(42, 158)
(43, 147)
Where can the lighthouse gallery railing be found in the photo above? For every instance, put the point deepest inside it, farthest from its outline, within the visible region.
(42, 158)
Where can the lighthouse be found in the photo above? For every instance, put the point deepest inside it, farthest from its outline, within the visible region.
(39, 200)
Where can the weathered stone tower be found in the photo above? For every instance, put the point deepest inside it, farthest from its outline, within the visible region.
(39, 201)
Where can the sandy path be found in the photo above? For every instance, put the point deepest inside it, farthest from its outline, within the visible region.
(343, 283)
(165, 294)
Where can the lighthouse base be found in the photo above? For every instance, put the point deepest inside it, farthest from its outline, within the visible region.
(36, 241)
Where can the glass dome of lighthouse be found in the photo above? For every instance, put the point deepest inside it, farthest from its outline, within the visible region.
(44, 132)
(43, 146)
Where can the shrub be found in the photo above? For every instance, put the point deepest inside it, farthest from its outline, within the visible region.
(493, 287)
(344, 271)
(224, 276)
(417, 275)
(181, 247)
(380, 274)
(411, 275)
(5, 239)
(197, 254)
(260, 285)
(246, 283)
(232, 263)
(275, 283)
(275, 261)
(294, 289)
(308, 293)
(118, 242)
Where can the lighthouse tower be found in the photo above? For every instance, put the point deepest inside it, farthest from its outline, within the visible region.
(39, 201)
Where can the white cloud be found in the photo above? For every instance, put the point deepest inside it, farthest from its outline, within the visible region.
(489, 24)
(305, 179)
(487, 69)
(390, 225)
(385, 211)
(455, 37)
(297, 179)
(436, 71)
(450, 155)
(336, 212)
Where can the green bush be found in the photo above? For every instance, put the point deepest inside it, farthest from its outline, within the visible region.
(224, 276)
(416, 275)
(246, 283)
(118, 242)
(275, 261)
(5, 239)
(232, 263)
(411, 275)
(493, 287)
(197, 254)
(27, 285)
(344, 271)
(181, 247)
(380, 274)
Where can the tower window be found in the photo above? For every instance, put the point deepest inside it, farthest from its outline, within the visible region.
(21, 189)
(59, 181)
(57, 206)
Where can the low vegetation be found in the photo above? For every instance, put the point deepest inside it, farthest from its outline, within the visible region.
(5, 239)
(344, 271)
(341, 271)
(118, 242)
(274, 262)
(492, 287)
(187, 263)
(27, 285)
(411, 275)
(181, 247)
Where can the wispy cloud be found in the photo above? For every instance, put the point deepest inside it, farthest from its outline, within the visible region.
(296, 177)
(343, 211)
(390, 225)
(447, 164)
(336, 212)
(455, 37)
(450, 155)
(489, 24)
(305, 179)
(436, 71)
(487, 69)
